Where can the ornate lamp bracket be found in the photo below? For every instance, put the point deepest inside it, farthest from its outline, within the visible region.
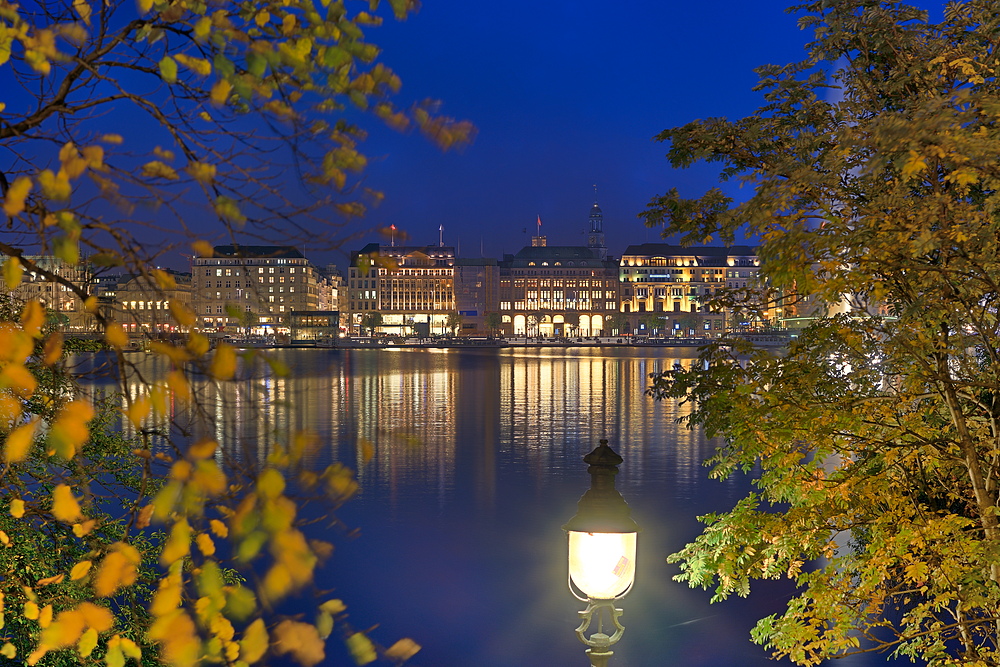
(600, 643)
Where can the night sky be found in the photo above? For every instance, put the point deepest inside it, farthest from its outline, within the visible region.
(566, 95)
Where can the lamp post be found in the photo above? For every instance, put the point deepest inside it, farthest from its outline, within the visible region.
(602, 543)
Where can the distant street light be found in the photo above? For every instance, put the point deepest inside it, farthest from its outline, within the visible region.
(602, 544)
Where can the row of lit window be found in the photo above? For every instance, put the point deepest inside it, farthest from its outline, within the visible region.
(245, 271)
(560, 305)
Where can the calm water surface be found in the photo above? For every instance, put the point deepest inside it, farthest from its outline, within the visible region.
(475, 464)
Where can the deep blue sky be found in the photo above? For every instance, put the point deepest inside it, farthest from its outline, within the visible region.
(565, 94)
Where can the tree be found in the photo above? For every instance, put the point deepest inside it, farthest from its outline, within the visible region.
(494, 322)
(616, 322)
(454, 322)
(652, 321)
(131, 131)
(534, 321)
(874, 196)
(371, 321)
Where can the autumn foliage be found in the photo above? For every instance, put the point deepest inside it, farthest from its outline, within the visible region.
(134, 130)
(874, 438)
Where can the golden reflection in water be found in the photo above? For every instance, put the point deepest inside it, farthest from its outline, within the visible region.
(446, 424)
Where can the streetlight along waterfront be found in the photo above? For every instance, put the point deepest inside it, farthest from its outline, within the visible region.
(602, 547)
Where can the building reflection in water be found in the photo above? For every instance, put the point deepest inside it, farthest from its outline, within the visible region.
(444, 423)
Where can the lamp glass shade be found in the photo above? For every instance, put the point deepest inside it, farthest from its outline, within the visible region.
(602, 565)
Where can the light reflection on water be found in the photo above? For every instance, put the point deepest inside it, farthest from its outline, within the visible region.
(476, 461)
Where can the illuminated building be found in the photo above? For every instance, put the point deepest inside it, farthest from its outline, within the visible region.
(672, 282)
(142, 307)
(252, 288)
(56, 296)
(412, 288)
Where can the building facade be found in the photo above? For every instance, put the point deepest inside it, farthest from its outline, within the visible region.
(410, 288)
(143, 308)
(252, 289)
(477, 284)
(557, 291)
(664, 288)
(47, 287)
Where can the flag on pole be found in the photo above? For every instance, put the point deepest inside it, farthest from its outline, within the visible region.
(539, 221)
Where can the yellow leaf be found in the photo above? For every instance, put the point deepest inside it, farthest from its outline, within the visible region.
(157, 169)
(178, 639)
(90, 305)
(31, 611)
(52, 352)
(115, 335)
(94, 156)
(204, 248)
(220, 92)
(333, 606)
(164, 280)
(4, 539)
(119, 568)
(70, 430)
(270, 483)
(55, 185)
(277, 583)
(65, 508)
(203, 449)
(12, 273)
(58, 579)
(45, 616)
(158, 396)
(13, 203)
(17, 447)
(8, 651)
(361, 648)
(915, 163)
(144, 6)
(182, 313)
(168, 69)
(179, 386)
(139, 410)
(199, 66)
(205, 544)
(19, 379)
(83, 529)
(219, 528)
(80, 570)
(178, 545)
(17, 508)
(324, 624)
(302, 641)
(223, 366)
(32, 318)
(253, 646)
(198, 344)
(402, 650)
(87, 643)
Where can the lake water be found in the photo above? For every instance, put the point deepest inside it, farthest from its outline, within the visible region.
(476, 462)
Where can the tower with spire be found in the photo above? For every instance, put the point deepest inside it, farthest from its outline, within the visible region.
(595, 238)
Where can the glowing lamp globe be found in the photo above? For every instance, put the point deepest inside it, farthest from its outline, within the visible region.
(602, 535)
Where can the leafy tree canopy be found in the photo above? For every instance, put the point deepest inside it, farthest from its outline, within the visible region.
(130, 129)
(875, 440)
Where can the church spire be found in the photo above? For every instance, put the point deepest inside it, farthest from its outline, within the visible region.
(595, 238)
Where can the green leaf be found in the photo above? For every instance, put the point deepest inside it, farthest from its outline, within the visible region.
(168, 69)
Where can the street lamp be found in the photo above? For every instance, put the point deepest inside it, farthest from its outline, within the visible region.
(602, 542)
